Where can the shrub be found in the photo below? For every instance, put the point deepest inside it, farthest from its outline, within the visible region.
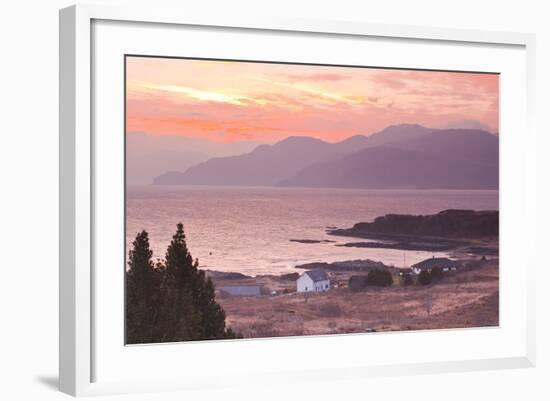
(407, 279)
(290, 276)
(424, 277)
(229, 333)
(380, 278)
(357, 283)
(436, 273)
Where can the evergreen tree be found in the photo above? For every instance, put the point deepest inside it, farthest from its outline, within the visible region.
(180, 317)
(179, 263)
(139, 291)
(206, 317)
(170, 302)
(212, 315)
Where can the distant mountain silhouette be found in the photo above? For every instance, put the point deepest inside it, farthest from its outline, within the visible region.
(147, 155)
(458, 144)
(452, 159)
(397, 133)
(400, 156)
(266, 165)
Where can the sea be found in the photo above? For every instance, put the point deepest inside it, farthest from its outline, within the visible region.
(249, 229)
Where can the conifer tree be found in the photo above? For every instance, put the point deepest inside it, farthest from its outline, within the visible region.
(212, 315)
(179, 262)
(180, 318)
(192, 282)
(139, 291)
(170, 301)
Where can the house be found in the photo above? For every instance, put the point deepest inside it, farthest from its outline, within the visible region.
(242, 290)
(445, 264)
(313, 281)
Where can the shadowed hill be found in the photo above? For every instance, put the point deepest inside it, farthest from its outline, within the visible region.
(447, 159)
(400, 156)
(266, 165)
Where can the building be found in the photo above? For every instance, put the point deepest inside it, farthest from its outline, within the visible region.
(445, 264)
(313, 281)
(242, 290)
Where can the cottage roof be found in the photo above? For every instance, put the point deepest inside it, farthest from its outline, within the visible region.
(436, 262)
(317, 275)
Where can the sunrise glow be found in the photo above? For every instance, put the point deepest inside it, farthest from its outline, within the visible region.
(239, 101)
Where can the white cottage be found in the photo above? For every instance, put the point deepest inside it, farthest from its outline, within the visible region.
(313, 281)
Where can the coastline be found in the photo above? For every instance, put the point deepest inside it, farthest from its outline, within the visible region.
(466, 298)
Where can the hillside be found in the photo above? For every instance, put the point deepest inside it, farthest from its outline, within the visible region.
(444, 159)
(395, 134)
(400, 156)
(266, 165)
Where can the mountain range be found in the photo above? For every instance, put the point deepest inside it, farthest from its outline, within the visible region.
(400, 156)
(148, 156)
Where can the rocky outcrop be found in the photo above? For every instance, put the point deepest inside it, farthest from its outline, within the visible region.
(348, 265)
(448, 223)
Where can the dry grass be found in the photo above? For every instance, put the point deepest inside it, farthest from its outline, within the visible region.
(465, 299)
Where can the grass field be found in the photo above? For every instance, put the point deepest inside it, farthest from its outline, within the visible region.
(463, 299)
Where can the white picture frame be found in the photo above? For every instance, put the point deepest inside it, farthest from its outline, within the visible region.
(79, 151)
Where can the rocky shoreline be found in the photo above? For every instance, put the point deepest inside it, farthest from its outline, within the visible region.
(451, 223)
(347, 265)
(414, 244)
(463, 234)
(312, 241)
(465, 231)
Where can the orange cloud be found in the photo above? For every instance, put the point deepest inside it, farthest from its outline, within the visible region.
(235, 101)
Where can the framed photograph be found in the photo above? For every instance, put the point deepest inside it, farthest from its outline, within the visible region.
(296, 200)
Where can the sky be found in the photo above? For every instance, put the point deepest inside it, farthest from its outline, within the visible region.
(230, 101)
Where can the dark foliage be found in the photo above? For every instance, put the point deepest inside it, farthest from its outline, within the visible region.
(140, 288)
(424, 277)
(290, 276)
(407, 279)
(436, 273)
(170, 302)
(380, 278)
(230, 334)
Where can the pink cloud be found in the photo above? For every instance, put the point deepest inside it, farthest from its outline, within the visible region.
(319, 77)
(234, 101)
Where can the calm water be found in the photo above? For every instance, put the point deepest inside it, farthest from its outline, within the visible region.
(248, 229)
